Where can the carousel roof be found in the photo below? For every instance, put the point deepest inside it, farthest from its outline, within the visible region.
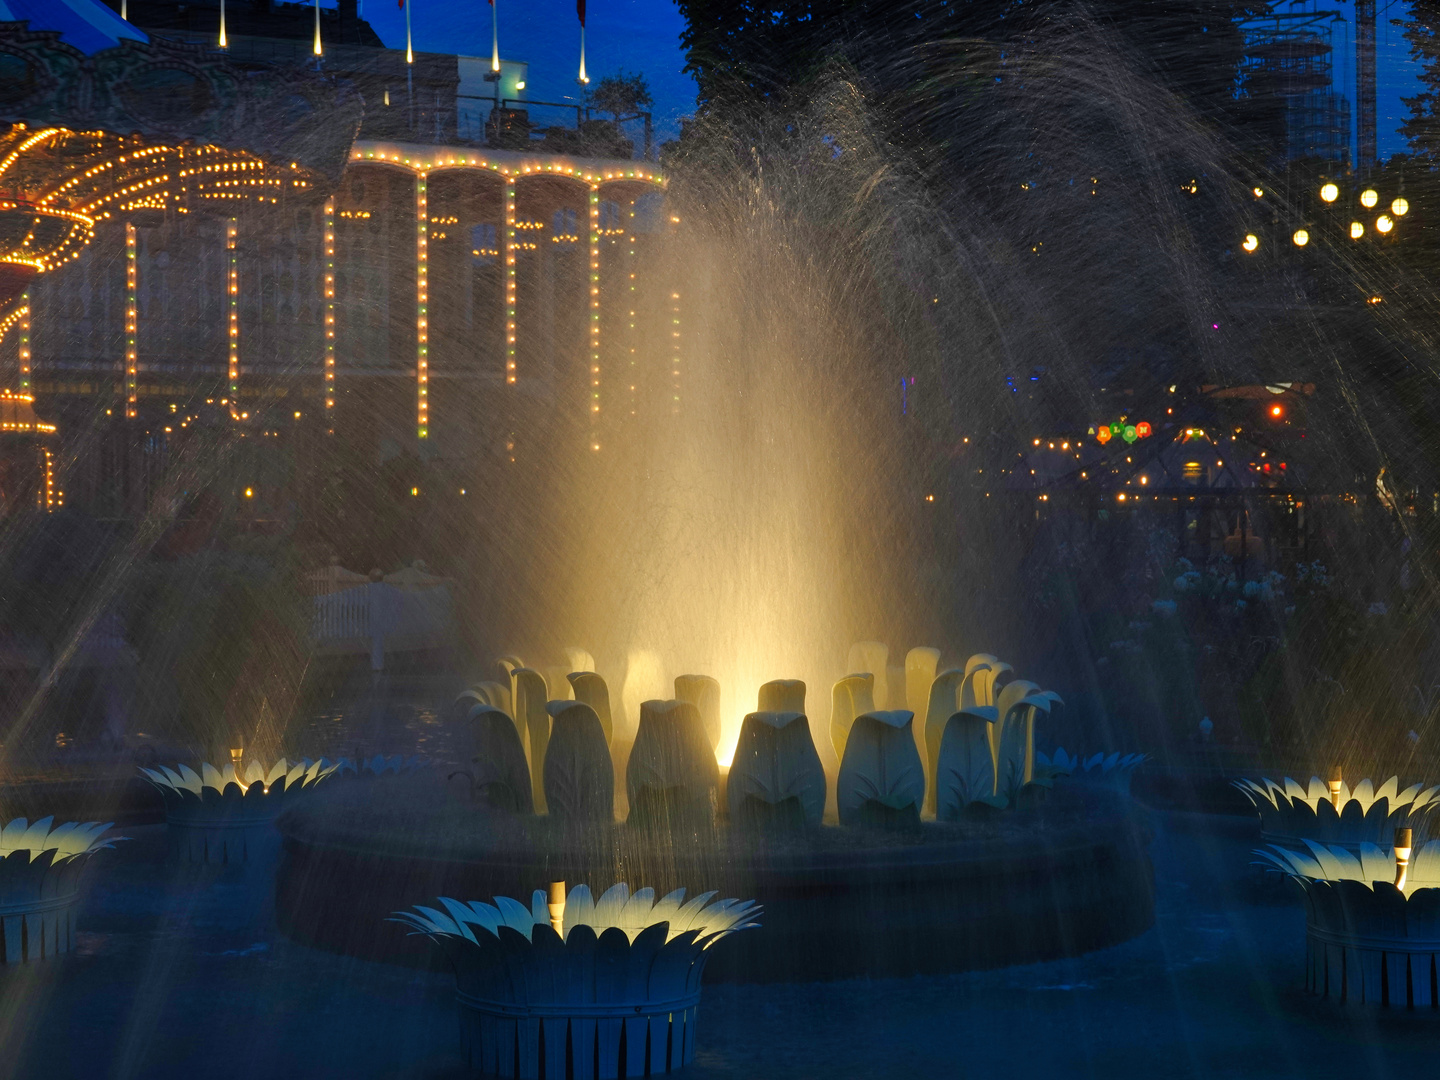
(88, 25)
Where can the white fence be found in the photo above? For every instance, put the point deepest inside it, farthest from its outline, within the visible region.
(379, 618)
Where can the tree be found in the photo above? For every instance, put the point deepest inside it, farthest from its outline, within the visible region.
(621, 94)
(1422, 127)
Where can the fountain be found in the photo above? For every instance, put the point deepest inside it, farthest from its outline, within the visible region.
(1009, 834)
(40, 869)
(611, 985)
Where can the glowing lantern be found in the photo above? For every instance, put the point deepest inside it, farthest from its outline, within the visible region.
(1384, 223)
(1301, 238)
(1356, 230)
(1129, 434)
(1400, 207)
(1369, 197)
(1329, 193)
(1143, 429)
(1251, 242)
(1103, 435)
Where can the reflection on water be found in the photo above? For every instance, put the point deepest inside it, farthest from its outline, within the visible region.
(384, 713)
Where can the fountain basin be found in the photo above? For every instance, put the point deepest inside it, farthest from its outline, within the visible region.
(1061, 878)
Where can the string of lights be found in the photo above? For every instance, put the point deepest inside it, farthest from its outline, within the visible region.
(24, 314)
(675, 351)
(234, 291)
(510, 282)
(594, 317)
(634, 357)
(132, 365)
(330, 315)
(422, 292)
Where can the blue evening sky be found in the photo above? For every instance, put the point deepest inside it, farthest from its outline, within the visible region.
(644, 36)
(637, 35)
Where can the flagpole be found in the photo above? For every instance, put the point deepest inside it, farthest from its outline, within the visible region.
(409, 66)
(494, 35)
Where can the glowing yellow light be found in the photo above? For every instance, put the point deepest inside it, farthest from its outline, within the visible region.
(1301, 238)
(1258, 192)
(414, 491)
(1251, 242)
(1369, 197)
(1329, 193)
(1357, 230)
(1400, 207)
(249, 493)
(1384, 223)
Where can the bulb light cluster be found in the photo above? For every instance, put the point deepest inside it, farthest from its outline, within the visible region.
(329, 315)
(132, 364)
(510, 227)
(422, 303)
(594, 316)
(234, 292)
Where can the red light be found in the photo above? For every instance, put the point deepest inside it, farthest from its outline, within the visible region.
(1143, 429)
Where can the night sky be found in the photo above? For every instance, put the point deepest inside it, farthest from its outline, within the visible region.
(643, 35)
(637, 35)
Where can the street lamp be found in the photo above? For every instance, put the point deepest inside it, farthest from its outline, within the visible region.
(1369, 197)
(1301, 238)
(1357, 230)
(1400, 207)
(1329, 193)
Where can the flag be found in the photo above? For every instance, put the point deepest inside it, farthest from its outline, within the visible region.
(580, 10)
(402, 3)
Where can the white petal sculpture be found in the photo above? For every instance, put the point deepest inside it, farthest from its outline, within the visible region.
(557, 682)
(40, 870)
(874, 657)
(1291, 814)
(485, 693)
(672, 775)
(579, 775)
(622, 971)
(1018, 705)
(1368, 941)
(776, 776)
(221, 816)
(921, 664)
(781, 695)
(501, 775)
(881, 777)
(965, 771)
(506, 666)
(984, 677)
(849, 698)
(591, 689)
(644, 681)
(704, 693)
(529, 693)
(579, 659)
(943, 703)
